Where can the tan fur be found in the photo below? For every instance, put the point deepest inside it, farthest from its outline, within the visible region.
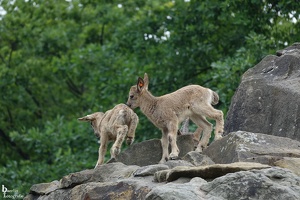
(113, 125)
(167, 111)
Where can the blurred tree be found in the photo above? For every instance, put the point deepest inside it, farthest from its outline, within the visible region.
(60, 60)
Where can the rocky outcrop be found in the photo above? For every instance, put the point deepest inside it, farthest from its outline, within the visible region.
(194, 177)
(259, 157)
(268, 97)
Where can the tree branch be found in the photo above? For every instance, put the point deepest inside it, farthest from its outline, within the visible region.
(14, 145)
(102, 35)
(73, 87)
(38, 113)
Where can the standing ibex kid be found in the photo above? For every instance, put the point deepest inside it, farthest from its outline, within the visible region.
(167, 111)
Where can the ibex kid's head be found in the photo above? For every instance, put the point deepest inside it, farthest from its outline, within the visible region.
(136, 91)
(95, 120)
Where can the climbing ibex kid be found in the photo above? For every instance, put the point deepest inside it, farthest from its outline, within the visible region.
(113, 125)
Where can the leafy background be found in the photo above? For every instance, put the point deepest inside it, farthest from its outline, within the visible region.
(61, 60)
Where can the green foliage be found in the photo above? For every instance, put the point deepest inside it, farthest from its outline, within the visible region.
(60, 60)
(60, 148)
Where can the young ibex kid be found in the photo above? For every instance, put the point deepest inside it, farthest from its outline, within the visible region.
(167, 111)
(113, 125)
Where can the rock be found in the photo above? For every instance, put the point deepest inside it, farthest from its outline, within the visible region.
(108, 190)
(176, 163)
(102, 173)
(268, 97)
(113, 172)
(292, 164)
(45, 188)
(271, 183)
(288, 49)
(173, 191)
(116, 181)
(197, 159)
(211, 171)
(141, 154)
(76, 178)
(252, 147)
(180, 179)
(55, 195)
(149, 152)
(161, 176)
(150, 170)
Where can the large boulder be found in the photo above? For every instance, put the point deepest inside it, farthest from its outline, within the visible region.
(242, 146)
(268, 97)
(150, 152)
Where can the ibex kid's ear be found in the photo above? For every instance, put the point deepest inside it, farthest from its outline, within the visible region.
(140, 84)
(87, 118)
(146, 81)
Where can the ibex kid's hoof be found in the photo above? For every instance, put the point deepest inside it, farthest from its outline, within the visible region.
(173, 157)
(129, 140)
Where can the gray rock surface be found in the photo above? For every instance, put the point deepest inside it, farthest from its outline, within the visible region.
(173, 191)
(184, 181)
(113, 172)
(150, 170)
(45, 188)
(292, 164)
(198, 159)
(268, 97)
(209, 171)
(76, 178)
(108, 190)
(272, 183)
(244, 146)
(149, 153)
